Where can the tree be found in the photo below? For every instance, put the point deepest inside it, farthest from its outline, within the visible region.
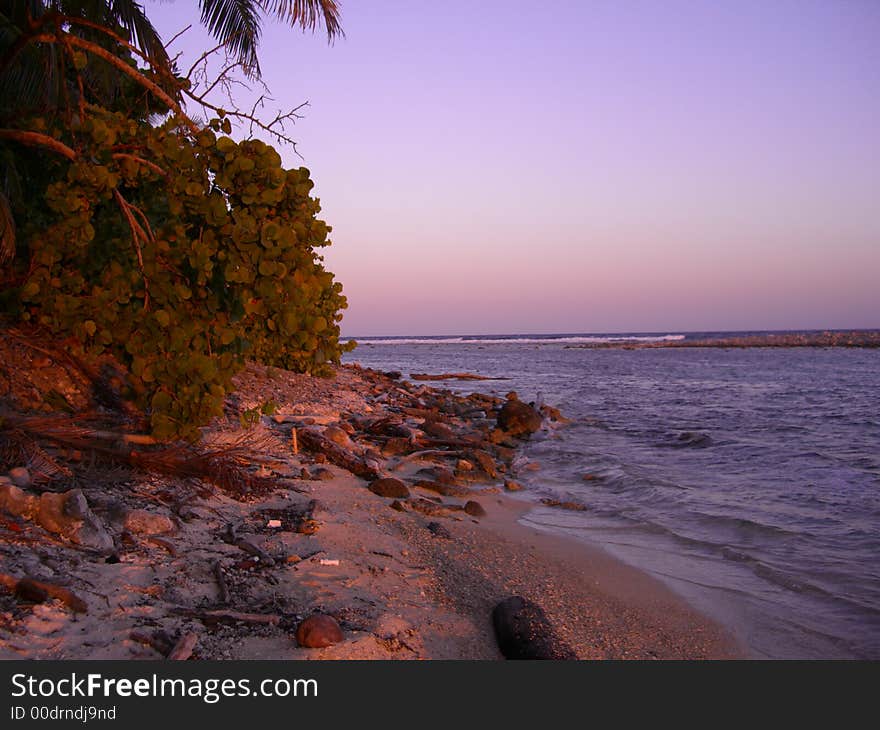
(146, 235)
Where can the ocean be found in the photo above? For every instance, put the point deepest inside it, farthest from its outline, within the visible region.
(747, 480)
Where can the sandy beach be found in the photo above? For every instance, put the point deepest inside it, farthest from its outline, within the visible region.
(225, 576)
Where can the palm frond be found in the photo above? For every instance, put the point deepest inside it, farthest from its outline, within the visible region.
(307, 14)
(236, 23)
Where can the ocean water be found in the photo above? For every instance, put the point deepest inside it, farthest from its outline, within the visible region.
(748, 480)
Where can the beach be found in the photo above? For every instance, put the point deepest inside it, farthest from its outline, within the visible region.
(200, 570)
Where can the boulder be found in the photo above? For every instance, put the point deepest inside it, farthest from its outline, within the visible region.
(519, 419)
(523, 631)
(389, 487)
(318, 631)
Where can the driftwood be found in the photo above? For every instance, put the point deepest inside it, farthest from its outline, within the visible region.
(222, 614)
(311, 440)
(221, 582)
(39, 591)
(183, 649)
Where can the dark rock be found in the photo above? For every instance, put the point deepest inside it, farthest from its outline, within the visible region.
(519, 419)
(523, 631)
(447, 490)
(398, 505)
(574, 506)
(321, 474)
(393, 374)
(438, 430)
(438, 530)
(318, 631)
(429, 508)
(390, 487)
(485, 462)
(436, 474)
(474, 509)
(396, 446)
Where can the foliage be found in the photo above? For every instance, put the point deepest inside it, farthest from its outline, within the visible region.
(173, 247)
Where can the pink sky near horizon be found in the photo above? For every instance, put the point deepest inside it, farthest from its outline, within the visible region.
(608, 166)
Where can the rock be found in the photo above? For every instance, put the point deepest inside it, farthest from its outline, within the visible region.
(485, 462)
(393, 374)
(436, 474)
(464, 465)
(318, 631)
(575, 506)
(398, 505)
(512, 486)
(68, 514)
(307, 526)
(474, 509)
(390, 487)
(339, 437)
(512, 395)
(438, 430)
(523, 631)
(141, 522)
(519, 419)
(396, 446)
(447, 490)
(438, 530)
(429, 508)
(321, 474)
(20, 477)
(17, 503)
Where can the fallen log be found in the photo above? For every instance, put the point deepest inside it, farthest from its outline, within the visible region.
(313, 441)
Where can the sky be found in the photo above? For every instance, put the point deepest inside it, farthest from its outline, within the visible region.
(588, 165)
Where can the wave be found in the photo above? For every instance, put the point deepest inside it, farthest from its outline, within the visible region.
(516, 340)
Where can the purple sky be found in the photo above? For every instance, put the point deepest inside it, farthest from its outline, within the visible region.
(590, 166)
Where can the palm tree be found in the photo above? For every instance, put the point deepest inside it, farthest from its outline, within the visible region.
(33, 69)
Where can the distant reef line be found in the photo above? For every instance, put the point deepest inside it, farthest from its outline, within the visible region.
(854, 338)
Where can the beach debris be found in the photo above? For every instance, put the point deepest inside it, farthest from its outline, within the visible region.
(183, 649)
(328, 561)
(311, 440)
(318, 631)
(389, 487)
(523, 631)
(222, 587)
(37, 591)
(519, 419)
(275, 524)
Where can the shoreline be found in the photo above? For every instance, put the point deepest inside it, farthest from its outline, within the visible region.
(414, 584)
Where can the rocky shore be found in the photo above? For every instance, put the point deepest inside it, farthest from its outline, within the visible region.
(360, 516)
(853, 338)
